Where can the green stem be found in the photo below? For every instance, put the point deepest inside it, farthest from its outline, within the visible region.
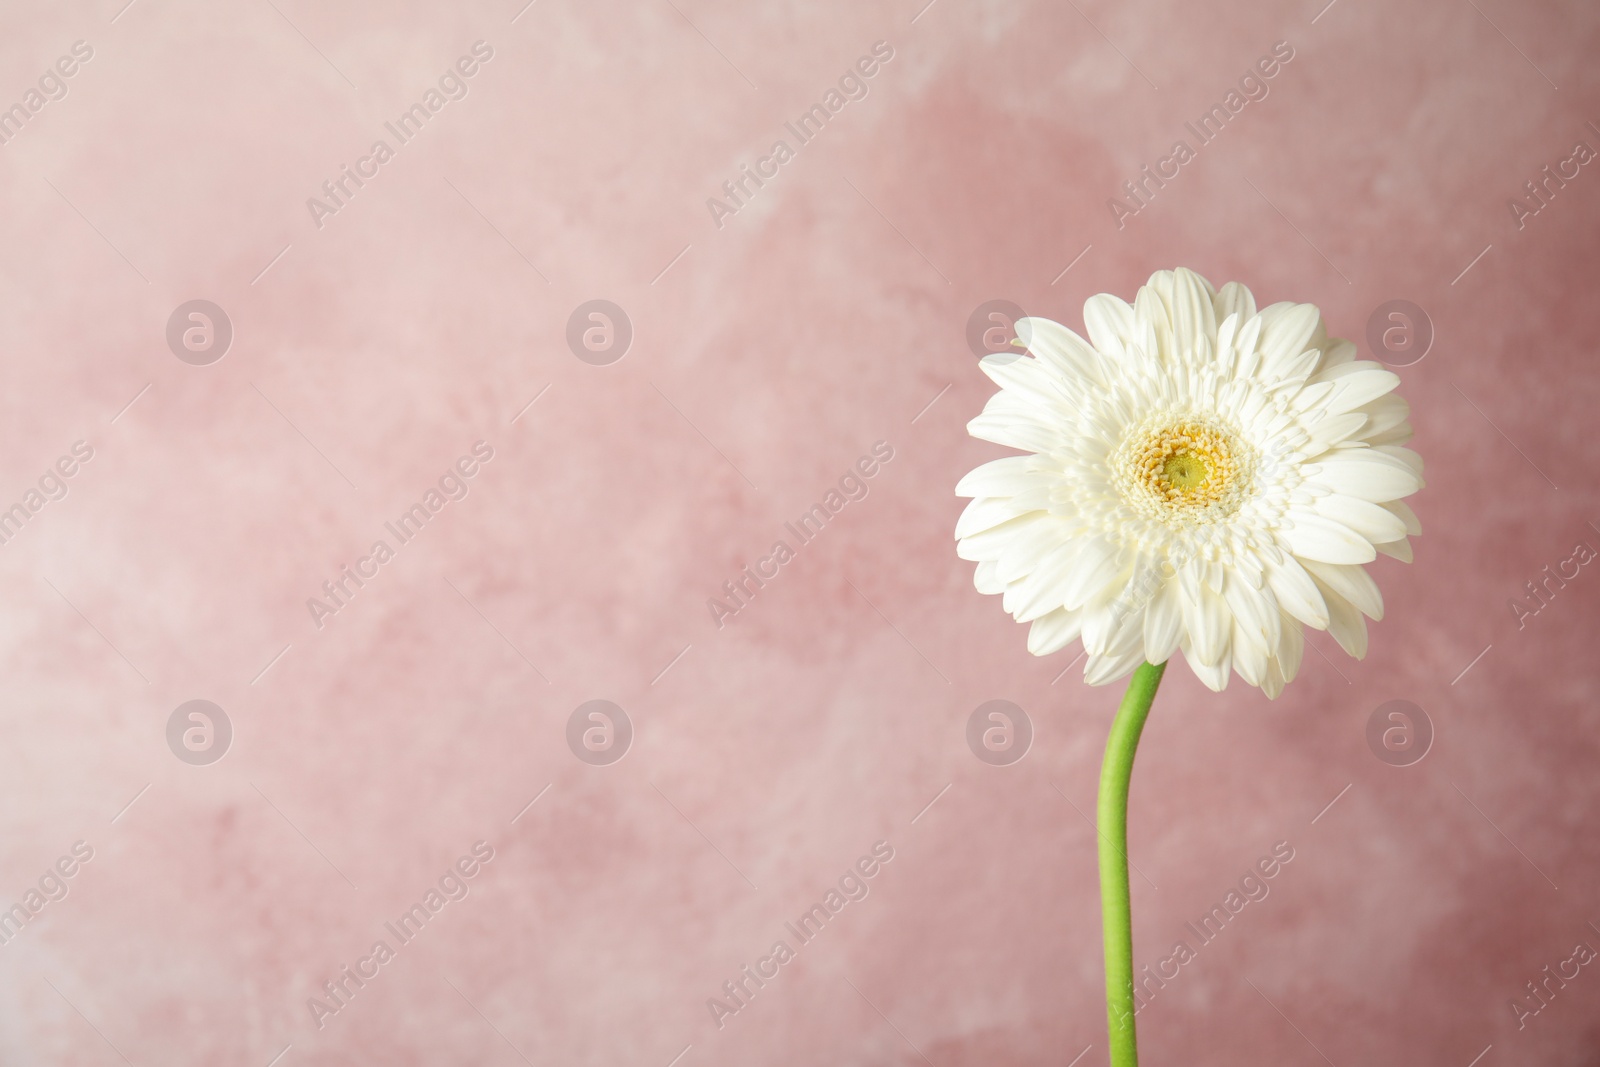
(1112, 814)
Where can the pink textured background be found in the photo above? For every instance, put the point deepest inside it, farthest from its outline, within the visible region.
(829, 713)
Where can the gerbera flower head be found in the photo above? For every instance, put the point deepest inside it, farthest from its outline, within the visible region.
(1199, 477)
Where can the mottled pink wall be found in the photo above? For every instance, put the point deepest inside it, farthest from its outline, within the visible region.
(768, 355)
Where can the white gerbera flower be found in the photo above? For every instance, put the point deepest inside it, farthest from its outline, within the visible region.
(1200, 477)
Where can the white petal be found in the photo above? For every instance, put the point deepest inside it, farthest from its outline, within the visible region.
(1371, 521)
(1015, 423)
(1255, 614)
(1400, 550)
(1207, 620)
(1403, 512)
(1410, 459)
(1291, 649)
(1153, 317)
(1246, 345)
(1213, 675)
(1163, 622)
(1307, 401)
(1365, 473)
(1039, 592)
(1272, 685)
(1345, 624)
(1088, 571)
(1251, 657)
(1298, 367)
(1227, 331)
(1053, 632)
(1063, 349)
(1394, 435)
(990, 544)
(1327, 432)
(1026, 546)
(1110, 324)
(1336, 353)
(1296, 593)
(1000, 477)
(1099, 670)
(1385, 413)
(985, 579)
(985, 513)
(1313, 536)
(1194, 313)
(1033, 381)
(1352, 583)
(1353, 390)
(1235, 299)
(1286, 331)
(1108, 627)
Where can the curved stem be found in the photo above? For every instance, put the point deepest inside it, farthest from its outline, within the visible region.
(1112, 816)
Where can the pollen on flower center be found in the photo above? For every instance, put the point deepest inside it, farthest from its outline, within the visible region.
(1183, 469)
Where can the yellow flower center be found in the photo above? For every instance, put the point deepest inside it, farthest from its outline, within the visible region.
(1184, 469)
